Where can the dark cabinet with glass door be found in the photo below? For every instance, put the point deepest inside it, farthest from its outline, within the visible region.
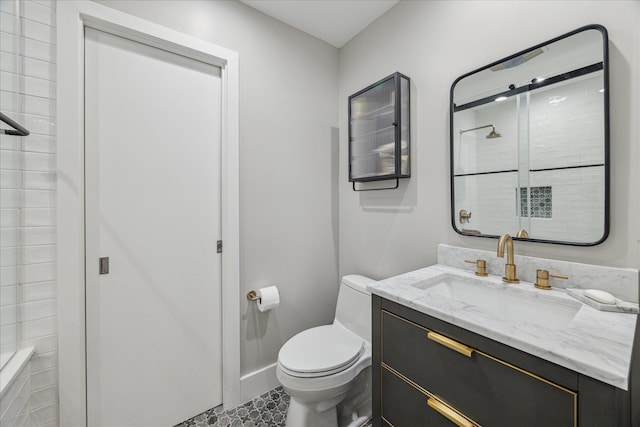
(379, 131)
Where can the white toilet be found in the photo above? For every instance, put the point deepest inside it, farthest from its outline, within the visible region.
(327, 369)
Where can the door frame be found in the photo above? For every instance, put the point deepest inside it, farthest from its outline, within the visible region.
(72, 17)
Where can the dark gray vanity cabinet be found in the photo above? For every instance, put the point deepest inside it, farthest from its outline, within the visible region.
(427, 372)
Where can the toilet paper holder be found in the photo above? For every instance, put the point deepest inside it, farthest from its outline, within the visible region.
(253, 296)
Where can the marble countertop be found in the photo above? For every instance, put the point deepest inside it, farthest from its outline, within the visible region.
(595, 343)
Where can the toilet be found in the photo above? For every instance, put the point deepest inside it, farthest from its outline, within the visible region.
(327, 369)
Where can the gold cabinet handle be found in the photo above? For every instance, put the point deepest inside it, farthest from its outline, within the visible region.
(448, 413)
(448, 342)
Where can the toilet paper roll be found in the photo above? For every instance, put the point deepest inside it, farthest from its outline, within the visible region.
(269, 298)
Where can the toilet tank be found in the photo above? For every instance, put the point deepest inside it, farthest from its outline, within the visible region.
(353, 309)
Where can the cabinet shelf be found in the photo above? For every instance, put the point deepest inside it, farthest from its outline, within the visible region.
(366, 135)
(376, 112)
(379, 131)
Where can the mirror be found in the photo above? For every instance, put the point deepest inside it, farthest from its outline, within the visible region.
(529, 139)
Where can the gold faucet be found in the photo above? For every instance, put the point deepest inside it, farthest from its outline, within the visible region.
(510, 266)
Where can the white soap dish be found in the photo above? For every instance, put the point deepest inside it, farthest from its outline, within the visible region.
(603, 301)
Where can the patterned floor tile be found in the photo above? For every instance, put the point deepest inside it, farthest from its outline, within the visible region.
(266, 410)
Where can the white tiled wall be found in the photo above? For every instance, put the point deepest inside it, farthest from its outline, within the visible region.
(28, 96)
(15, 405)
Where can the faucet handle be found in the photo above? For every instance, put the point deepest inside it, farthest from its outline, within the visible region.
(481, 266)
(542, 279)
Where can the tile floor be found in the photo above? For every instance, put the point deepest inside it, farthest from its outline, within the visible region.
(266, 410)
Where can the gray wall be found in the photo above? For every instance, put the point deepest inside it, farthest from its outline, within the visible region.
(433, 42)
(288, 164)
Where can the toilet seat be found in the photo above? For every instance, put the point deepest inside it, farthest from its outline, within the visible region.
(320, 351)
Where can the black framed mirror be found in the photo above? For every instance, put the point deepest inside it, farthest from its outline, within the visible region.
(529, 143)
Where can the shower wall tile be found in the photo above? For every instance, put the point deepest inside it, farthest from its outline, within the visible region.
(48, 3)
(9, 198)
(39, 13)
(9, 218)
(42, 344)
(38, 124)
(45, 416)
(38, 198)
(37, 236)
(39, 107)
(8, 237)
(39, 162)
(39, 180)
(8, 257)
(39, 69)
(9, 160)
(9, 102)
(38, 50)
(37, 291)
(37, 87)
(8, 179)
(14, 407)
(37, 309)
(44, 361)
(7, 293)
(43, 397)
(7, 22)
(37, 217)
(9, 278)
(33, 329)
(32, 273)
(43, 379)
(30, 97)
(38, 31)
(8, 63)
(37, 254)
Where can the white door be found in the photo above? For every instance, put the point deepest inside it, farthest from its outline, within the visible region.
(152, 162)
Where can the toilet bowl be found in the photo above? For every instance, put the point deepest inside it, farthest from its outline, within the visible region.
(327, 369)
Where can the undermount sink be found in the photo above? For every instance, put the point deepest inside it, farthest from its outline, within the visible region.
(516, 303)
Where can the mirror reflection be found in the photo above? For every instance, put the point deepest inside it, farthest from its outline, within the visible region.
(529, 143)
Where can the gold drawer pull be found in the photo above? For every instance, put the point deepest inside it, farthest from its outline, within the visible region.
(448, 413)
(448, 342)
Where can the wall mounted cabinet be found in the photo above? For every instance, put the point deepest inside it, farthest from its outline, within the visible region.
(379, 131)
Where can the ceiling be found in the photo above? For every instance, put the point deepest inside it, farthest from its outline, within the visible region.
(334, 21)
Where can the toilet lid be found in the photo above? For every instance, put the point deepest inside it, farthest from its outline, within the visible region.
(320, 351)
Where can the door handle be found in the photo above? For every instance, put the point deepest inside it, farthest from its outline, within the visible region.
(104, 265)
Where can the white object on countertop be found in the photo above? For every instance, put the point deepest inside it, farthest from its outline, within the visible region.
(618, 305)
(269, 298)
(602, 297)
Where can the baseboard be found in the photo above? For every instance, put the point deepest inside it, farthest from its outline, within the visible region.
(258, 382)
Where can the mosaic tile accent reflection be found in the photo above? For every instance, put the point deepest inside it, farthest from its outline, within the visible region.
(267, 410)
(540, 202)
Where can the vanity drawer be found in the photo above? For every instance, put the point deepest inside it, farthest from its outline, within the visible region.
(406, 404)
(486, 389)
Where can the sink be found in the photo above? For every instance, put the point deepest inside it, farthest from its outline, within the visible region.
(514, 302)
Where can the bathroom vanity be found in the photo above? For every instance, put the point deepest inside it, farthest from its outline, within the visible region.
(450, 347)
